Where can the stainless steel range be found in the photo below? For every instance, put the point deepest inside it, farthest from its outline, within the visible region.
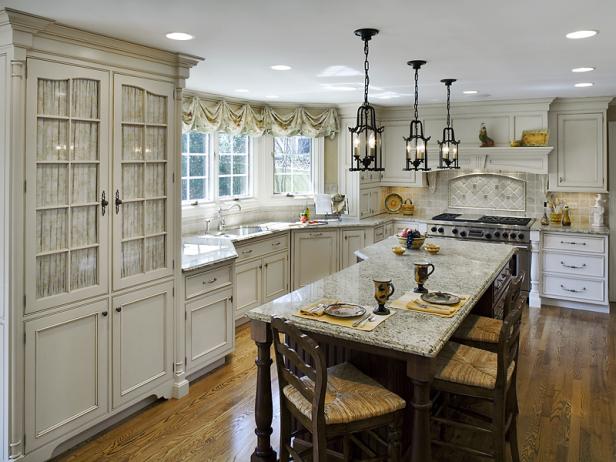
(510, 230)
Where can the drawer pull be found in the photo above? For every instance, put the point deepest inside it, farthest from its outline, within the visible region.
(315, 234)
(211, 281)
(573, 243)
(275, 244)
(573, 290)
(244, 252)
(573, 266)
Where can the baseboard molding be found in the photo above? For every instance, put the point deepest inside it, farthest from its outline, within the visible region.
(180, 389)
(206, 370)
(575, 305)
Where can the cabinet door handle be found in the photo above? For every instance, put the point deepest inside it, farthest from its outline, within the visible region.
(573, 290)
(118, 201)
(118, 309)
(244, 252)
(211, 281)
(573, 266)
(104, 313)
(275, 244)
(104, 203)
(573, 243)
(266, 264)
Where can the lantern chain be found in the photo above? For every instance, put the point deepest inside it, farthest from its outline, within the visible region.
(366, 69)
(448, 105)
(416, 92)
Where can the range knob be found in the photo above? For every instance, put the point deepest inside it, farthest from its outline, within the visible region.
(441, 229)
(433, 229)
(505, 235)
(497, 234)
(462, 233)
(454, 231)
(488, 236)
(520, 236)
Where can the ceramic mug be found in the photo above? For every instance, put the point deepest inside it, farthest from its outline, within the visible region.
(423, 270)
(383, 289)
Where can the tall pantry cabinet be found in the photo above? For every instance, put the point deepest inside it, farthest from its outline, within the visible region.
(91, 140)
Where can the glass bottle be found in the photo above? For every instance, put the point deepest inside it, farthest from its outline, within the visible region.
(544, 219)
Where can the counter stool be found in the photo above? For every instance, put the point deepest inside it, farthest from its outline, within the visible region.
(482, 331)
(330, 403)
(472, 373)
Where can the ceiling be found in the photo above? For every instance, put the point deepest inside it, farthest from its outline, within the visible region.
(504, 50)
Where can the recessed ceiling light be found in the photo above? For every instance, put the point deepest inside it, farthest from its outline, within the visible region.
(281, 67)
(584, 84)
(470, 92)
(583, 69)
(242, 90)
(272, 97)
(179, 36)
(582, 34)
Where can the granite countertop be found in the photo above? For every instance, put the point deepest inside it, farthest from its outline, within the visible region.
(201, 251)
(462, 267)
(580, 228)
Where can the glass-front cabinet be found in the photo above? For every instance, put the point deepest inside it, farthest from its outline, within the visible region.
(67, 159)
(143, 141)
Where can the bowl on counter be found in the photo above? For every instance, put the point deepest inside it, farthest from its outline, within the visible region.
(432, 248)
(398, 250)
(415, 245)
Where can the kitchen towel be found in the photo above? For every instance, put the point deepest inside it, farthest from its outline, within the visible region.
(412, 301)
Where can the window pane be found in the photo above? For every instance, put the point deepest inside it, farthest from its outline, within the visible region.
(224, 143)
(224, 186)
(184, 166)
(184, 190)
(304, 145)
(184, 142)
(224, 167)
(293, 165)
(240, 186)
(197, 189)
(197, 165)
(197, 142)
(240, 164)
(239, 144)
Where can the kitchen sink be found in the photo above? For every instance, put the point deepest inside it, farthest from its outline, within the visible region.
(242, 231)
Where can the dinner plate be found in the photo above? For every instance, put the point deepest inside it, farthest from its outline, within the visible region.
(345, 310)
(393, 202)
(440, 298)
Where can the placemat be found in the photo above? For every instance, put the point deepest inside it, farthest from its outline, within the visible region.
(315, 309)
(412, 301)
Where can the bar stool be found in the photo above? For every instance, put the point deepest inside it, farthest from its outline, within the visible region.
(482, 331)
(466, 372)
(330, 403)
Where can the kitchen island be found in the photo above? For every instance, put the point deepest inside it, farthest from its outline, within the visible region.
(403, 345)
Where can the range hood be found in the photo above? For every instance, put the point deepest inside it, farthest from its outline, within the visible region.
(505, 159)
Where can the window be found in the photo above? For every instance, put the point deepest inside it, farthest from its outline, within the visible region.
(195, 166)
(293, 165)
(233, 165)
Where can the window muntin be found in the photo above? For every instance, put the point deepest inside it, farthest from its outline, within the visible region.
(234, 165)
(293, 165)
(195, 166)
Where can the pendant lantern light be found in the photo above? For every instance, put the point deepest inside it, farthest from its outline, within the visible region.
(416, 143)
(366, 146)
(448, 146)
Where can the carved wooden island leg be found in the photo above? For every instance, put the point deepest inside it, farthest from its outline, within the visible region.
(262, 336)
(419, 370)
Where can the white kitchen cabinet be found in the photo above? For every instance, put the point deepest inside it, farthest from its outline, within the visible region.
(209, 329)
(143, 174)
(351, 240)
(142, 341)
(66, 373)
(394, 157)
(389, 229)
(275, 276)
(370, 202)
(315, 255)
(248, 286)
(67, 157)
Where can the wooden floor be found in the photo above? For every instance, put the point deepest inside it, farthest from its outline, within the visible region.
(566, 388)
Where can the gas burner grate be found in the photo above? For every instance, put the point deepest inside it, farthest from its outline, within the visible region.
(446, 216)
(517, 221)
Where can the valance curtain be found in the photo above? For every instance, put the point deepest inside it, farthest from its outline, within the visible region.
(246, 120)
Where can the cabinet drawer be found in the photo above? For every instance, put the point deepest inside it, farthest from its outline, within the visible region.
(581, 265)
(574, 288)
(379, 233)
(208, 281)
(262, 247)
(573, 242)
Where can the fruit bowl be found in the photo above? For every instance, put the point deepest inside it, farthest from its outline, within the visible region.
(415, 245)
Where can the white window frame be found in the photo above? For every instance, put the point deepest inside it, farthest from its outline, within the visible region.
(250, 174)
(209, 177)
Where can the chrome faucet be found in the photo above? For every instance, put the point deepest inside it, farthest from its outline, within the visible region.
(221, 218)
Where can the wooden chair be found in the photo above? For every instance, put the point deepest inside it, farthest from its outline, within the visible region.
(466, 372)
(334, 403)
(484, 332)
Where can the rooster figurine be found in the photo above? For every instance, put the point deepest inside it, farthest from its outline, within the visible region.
(486, 141)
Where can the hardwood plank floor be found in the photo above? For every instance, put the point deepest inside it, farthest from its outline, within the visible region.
(566, 389)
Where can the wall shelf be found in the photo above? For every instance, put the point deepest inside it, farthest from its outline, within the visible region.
(505, 159)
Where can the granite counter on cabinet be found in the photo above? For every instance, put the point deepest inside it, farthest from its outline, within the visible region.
(462, 267)
(201, 251)
(579, 228)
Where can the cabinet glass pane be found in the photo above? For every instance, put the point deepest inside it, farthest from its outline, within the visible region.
(132, 142)
(132, 222)
(51, 139)
(155, 216)
(132, 257)
(157, 109)
(84, 272)
(51, 230)
(132, 181)
(132, 104)
(51, 274)
(84, 98)
(52, 97)
(154, 253)
(155, 180)
(51, 185)
(84, 226)
(156, 143)
(84, 187)
(84, 140)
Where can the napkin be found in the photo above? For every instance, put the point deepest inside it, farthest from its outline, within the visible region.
(317, 307)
